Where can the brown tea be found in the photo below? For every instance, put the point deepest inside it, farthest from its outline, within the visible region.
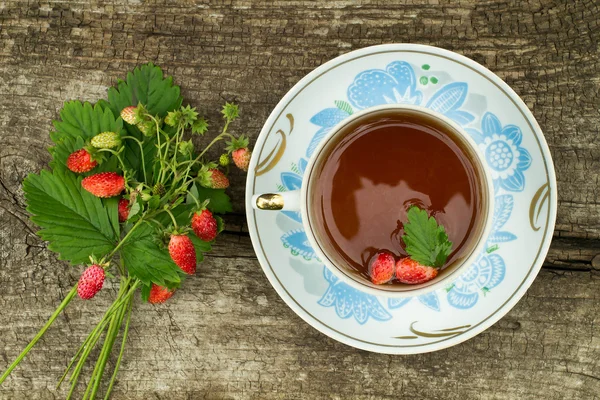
(379, 166)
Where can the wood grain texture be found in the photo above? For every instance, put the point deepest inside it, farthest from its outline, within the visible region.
(227, 335)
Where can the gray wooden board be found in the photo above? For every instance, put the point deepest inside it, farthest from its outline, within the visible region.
(226, 334)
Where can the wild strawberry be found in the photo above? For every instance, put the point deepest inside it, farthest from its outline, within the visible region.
(241, 158)
(183, 253)
(218, 180)
(204, 225)
(81, 161)
(411, 272)
(159, 294)
(224, 159)
(128, 114)
(381, 268)
(90, 282)
(239, 152)
(123, 209)
(104, 184)
(106, 140)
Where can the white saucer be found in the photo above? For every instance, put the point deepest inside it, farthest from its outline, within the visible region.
(524, 182)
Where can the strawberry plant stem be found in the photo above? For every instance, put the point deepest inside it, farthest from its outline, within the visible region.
(123, 340)
(37, 337)
(109, 342)
(141, 153)
(94, 334)
(112, 253)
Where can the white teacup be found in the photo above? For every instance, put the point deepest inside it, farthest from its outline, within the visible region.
(299, 200)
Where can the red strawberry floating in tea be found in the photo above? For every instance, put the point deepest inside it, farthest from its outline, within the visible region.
(381, 268)
(427, 246)
(411, 272)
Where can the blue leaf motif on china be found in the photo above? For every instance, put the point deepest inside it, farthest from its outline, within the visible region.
(430, 300)
(489, 269)
(398, 84)
(349, 302)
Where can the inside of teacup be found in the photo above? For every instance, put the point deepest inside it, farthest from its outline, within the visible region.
(378, 165)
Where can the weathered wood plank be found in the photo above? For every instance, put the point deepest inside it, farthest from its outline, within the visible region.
(227, 334)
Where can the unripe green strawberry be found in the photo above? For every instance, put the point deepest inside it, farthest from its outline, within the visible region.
(158, 189)
(104, 184)
(224, 160)
(106, 140)
(128, 114)
(81, 161)
(148, 128)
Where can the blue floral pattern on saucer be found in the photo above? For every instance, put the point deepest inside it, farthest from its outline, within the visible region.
(349, 302)
(502, 146)
(503, 152)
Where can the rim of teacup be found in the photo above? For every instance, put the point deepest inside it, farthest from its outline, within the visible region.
(399, 291)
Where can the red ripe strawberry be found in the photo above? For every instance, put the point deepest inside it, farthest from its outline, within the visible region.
(104, 184)
(90, 282)
(128, 115)
(183, 253)
(81, 161)
(218, 179)
(204, 225)
(123, 209)
(411, 272)
(241, 158)
(159, 294)
(381, 268)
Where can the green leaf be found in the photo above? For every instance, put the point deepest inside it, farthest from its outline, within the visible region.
(146, 261)
(83, 120)
(220, 224)
(219, 201)
(145, 85)
(66, 213)
(80, 122)
(344, 106)
(145, 292)
(426, 241)
(134, 209)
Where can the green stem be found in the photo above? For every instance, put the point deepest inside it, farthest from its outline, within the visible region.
(123, 340)
(96, 331)
(172, 217)
(37, 337)
(112, 253)
(118, 157)
(109, 342)
(95, 336)
(195, 199)
(141, 144)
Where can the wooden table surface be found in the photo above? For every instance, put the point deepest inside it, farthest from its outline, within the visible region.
(227, 335)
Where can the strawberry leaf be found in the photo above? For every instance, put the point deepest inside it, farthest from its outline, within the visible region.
(66, 212)
(219, 202)
(78, 123)
(146, 85)
(83, 120)
(426, 241)
(148, 262)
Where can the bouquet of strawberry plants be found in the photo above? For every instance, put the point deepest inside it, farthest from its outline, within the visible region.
(128, 197)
